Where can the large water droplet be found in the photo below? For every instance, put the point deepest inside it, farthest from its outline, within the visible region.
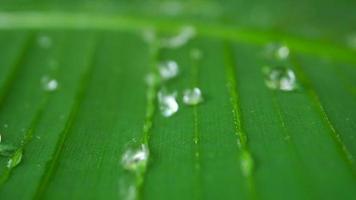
(49, 84)
(186, 33)
(280, 78)
(192, 96)
(15, 159)
(44, 41)
(167, 103)
(168, 69)
(247, 163)
(135, 158)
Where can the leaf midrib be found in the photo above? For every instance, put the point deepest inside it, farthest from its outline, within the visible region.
(89, 21)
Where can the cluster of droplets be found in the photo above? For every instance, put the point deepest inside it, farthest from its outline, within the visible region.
(169, 69)
(280, 76)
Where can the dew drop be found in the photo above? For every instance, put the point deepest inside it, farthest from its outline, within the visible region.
(247, 163)
(49, 84)
(15, 159)
(280, 78)
(6, 126)
(44, 41)
(168, 69)
(186, 33)
(167, 103)
(192, 96)
(135, 159)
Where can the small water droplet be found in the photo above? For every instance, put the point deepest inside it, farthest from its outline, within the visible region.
(44, 41)
(49, 84)
(247, 163)
(6, 126)
(135, 159)
(0, 138)
(15, 159)
(168, 69)
(7, 149)
(167, 103)
(280, 52)
(280, 78)
(196, 54)
(192, 96)
(186, 33)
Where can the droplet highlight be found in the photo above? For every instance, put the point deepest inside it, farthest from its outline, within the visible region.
(135, 159)
(167, 103)
(168, 69)
(280, 78)
(192, 96)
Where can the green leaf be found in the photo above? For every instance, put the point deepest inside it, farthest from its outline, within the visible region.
(79, 84)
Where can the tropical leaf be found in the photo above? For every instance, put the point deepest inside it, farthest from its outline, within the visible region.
(81, 95)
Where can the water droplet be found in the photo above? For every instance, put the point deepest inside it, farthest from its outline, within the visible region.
(168, 69)
(247, 163)
(0, 138)
(167, 103)
(6, 126)
(44, 41)
(7, 150)
(196, 54)
(15, 159)
(186, 33)
(280, 78)
(135, 159)
(192, 96)
(280, 52)
(49, 84)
